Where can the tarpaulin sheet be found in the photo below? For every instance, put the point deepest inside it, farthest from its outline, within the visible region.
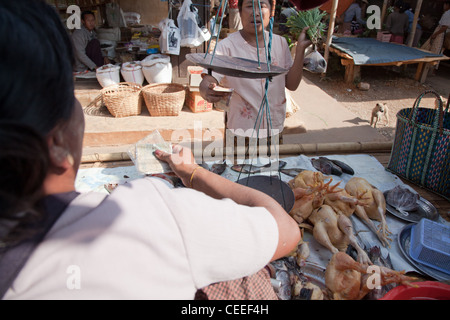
(371, 51)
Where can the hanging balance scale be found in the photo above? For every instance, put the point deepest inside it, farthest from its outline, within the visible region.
(271, 185)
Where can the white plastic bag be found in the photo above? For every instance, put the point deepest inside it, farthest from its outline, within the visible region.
(108, 48)
(314, 62)
(157, 68)
(132, 18)
(192, 34)
(170, 38)
(132, 72)
(108, 75)
(142, 154)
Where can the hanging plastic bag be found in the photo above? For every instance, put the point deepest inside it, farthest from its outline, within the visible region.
(193, 33)
(314, 62)
(170, 38)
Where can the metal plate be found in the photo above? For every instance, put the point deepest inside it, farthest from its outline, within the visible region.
(404, 240)
(425, 210)
(235, 67)
(314, 273)
(272, 186)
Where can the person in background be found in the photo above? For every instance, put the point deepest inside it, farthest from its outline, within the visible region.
(397, 23)
(435, 43)
(234, 18)
(88, 53)
(145, 240)
(284, 16)
(353, 13)
(444, 23)
(418, 34)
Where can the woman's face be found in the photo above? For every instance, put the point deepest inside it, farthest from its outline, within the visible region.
(249, 20)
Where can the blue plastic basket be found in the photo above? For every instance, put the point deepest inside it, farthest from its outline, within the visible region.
(430, 244)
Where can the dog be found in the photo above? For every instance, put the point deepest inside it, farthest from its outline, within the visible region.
(380, 109)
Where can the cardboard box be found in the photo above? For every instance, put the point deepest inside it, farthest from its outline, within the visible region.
(196, 103)
(195, 75)
(384, 36)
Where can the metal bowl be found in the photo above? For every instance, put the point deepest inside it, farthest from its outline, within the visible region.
(272, 186)
(424, 210)
(404, 241)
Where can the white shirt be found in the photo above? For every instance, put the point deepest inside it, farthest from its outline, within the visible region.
(146, 241)
(248, 93)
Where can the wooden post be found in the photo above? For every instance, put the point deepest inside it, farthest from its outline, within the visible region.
(414, 25)
(330, 32)
(383, 12)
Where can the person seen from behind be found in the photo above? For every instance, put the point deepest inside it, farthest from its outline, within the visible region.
(146, 240)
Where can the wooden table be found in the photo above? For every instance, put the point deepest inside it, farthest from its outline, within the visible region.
(353, 72)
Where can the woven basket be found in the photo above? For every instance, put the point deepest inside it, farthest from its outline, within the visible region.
(164, 99)
(123, 99)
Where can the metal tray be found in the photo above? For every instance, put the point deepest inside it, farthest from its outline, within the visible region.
(425, 210)
(314, 273)
(272, 186)
(404, 240)
(235, 67)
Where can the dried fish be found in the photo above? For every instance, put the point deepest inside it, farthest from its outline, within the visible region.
(251, 168)
(292, 172)
(344, 167)
(285, 291)
(377, 259)
(325, 166)
(218, 168)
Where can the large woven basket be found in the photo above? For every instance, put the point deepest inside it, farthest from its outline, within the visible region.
(164, 99)
(123, 99)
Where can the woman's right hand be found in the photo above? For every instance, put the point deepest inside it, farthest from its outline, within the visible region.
(181, 161)
(207, 89)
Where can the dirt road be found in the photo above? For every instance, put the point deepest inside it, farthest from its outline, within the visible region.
(393, 86)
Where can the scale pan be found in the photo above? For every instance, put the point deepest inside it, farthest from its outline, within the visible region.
(272, 186)
(235, 67)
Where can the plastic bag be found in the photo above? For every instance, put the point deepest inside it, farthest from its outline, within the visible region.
(132, 72)
(142, 154)
(108, 75)
(132, 18)
(170, 38)
(193, 33)
(314, 62)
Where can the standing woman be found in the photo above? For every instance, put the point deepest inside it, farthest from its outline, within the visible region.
(248, 93)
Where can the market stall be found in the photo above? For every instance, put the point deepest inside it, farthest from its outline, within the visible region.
(358, 52)
(370, 166)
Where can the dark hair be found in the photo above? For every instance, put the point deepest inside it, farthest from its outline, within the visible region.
(399, 4)
(85, 13)
(36, 94)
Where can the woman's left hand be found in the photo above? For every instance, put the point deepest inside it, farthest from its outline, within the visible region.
(303, 42)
